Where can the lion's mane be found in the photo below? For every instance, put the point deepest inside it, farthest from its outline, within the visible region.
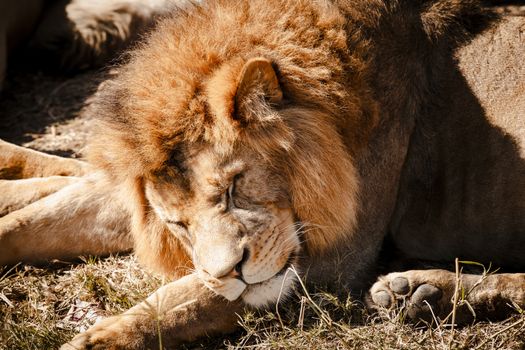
(178, 90)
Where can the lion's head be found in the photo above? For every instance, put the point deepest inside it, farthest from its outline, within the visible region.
(236, 143)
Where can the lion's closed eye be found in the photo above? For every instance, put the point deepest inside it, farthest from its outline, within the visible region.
(232, 197)
(236, 199)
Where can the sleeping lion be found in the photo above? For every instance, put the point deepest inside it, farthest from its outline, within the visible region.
(245, 139)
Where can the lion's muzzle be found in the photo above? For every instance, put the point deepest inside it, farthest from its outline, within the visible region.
(254, 268)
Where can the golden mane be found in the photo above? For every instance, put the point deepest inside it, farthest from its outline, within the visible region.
(178, 91)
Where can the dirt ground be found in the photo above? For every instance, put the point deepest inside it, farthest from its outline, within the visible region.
(41, 307)
(44, 110)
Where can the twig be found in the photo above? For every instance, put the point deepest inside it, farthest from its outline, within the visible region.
(323, 315)
(455, 303)
(279, 299)
(300, 322)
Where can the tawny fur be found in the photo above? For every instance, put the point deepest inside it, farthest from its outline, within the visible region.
(21, 163)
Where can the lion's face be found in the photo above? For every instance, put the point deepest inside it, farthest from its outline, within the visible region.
(223, 159)
(233, 216)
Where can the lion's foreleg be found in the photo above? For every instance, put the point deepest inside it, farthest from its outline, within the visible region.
(86, 217)
(17, 194)
(431, 294)
(21, 163)
(179, 312)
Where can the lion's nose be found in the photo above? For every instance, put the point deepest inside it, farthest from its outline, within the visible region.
(219, 267)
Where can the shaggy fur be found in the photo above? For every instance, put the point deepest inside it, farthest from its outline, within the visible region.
(152, 111)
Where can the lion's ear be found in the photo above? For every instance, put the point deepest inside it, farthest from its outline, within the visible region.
(257, 79)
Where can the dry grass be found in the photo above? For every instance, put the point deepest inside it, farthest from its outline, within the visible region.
(42, 307)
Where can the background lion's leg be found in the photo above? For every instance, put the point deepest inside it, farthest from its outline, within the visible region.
(20, 163)
(76, 34)
(429, 294)
(17, 194)
(86, 217)
(178, 312)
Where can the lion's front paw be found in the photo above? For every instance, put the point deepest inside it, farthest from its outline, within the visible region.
(422, 295)
(111, 333)
(81, 341)
(430, 295)
(94, 339)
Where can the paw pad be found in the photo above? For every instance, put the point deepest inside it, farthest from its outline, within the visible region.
(420, 301)
(424, 303)
(400, 285)
(382, 298)
(428, 293)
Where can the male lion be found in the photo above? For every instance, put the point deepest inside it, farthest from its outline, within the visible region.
(243, 137)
